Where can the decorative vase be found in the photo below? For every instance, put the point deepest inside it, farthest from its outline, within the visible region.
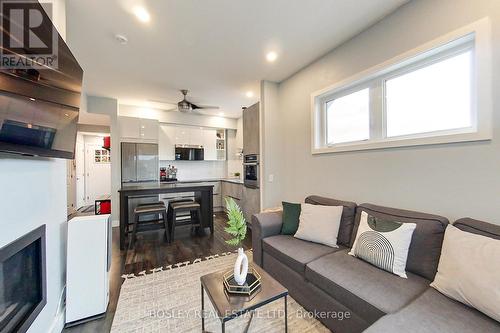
(241, 267)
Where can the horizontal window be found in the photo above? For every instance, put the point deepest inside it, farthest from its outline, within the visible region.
(348, 118)
(434, 98)
(431, 97)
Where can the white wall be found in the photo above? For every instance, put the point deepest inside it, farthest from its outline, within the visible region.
(109, 107)
(271, 160)
(454, 180)
(174, 117)
(33, 193)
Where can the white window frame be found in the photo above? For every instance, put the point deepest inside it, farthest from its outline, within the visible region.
(476, 36)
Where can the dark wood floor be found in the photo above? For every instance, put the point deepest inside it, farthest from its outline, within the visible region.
(151, 251)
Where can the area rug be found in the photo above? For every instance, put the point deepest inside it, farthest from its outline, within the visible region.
(169, 300)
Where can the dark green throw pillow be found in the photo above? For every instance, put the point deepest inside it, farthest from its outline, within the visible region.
(291, 214)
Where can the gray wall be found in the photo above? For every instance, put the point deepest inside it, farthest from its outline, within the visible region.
(454, 180)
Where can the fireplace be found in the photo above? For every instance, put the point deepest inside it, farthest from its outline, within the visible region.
(23, 281)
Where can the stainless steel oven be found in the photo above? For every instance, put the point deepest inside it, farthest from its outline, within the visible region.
(251, 167)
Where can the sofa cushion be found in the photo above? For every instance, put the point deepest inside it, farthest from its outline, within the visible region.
(363, 288)
(293, 252)
(425, 248)
(347, 220)
(434, 312)
(478, 227)
(383, 243)
(291, 216)
(469, 270)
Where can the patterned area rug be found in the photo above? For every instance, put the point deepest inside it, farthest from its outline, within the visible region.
(168, 300)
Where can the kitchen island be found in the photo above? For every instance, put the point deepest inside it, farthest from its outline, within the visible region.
(202, 193)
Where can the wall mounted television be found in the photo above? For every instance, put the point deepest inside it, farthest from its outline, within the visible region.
(39, 107)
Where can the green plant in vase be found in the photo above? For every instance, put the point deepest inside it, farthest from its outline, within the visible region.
(237, 227)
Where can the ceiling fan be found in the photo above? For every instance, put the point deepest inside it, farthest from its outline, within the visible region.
(187, 106)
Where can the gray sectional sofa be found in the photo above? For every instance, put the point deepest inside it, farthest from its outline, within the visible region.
(350, 295)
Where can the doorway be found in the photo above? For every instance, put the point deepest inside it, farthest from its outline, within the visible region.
(93, 169)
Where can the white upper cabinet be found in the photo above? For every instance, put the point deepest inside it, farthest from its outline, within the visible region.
(171, 135)
(149, 129)
(182, 135)
(138, 130)
(196, 136)
(129, 127)
(209, 144)
(166, 142)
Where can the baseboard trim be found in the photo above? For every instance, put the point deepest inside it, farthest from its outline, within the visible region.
(85, 320)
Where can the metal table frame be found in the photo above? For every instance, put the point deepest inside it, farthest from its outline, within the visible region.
(236, 314)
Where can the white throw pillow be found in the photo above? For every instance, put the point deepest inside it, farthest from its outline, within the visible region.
(469, 270)
(319, 224)
(383, 243)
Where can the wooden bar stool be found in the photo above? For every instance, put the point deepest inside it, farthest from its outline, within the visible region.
(177, 208)
(149, 209)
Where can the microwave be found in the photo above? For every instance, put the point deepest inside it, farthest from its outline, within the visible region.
(189, 153)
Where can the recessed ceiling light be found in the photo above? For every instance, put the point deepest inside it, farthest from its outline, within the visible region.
(142, 14)
(249, 94)
(271, 56)
(121, 39)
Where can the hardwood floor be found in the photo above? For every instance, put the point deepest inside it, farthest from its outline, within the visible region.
(151, 251)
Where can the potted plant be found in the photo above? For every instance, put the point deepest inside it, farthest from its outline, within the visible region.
(237, 227)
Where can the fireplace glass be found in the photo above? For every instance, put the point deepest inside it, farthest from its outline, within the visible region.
(22, 282)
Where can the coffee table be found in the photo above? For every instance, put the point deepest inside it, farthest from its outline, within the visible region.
(230, 306)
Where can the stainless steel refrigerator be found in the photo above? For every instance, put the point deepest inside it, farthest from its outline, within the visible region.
(140, 166)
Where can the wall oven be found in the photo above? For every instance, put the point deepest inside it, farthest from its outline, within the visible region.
(251, 168)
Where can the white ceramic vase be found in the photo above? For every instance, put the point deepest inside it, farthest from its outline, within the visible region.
(241, 267)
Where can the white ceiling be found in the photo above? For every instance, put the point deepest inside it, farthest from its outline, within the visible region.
(214, 48)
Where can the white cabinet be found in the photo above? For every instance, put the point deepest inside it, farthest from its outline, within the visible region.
(166, 142)
(88, 262)
(182, 135)
(196, 136)
(148, 129)
(171, 135)
(209, 144)
(138, 129)
(129, 127)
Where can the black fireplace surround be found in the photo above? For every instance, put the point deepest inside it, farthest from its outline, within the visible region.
(23, 281)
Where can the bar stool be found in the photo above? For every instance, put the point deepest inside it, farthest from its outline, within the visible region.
(176, 208)
(130, 226)
(148, 209)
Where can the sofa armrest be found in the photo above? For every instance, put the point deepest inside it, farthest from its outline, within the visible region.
(264, 225)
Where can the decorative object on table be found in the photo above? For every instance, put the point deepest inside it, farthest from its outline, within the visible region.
(237, 227)
(237, 174)
(252, 283)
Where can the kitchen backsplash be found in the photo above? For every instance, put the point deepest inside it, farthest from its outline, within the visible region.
(193, 170)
